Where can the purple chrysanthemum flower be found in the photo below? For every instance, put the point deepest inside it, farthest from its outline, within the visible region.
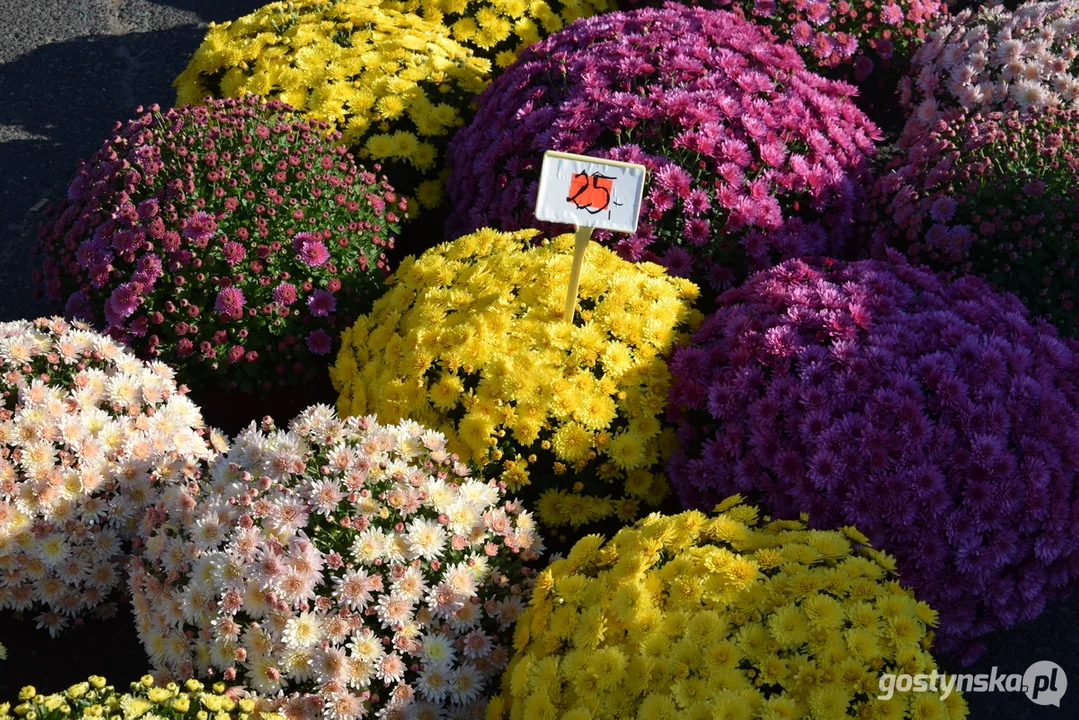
(78, 306)
(319, 342)
(285, 293)
(310, 249)
(122, 303)
(230, 303)
(933, 415)
(737, 135)
(321, 303)
(234, 252)
(199, 227)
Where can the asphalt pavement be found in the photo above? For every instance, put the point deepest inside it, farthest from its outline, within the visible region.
(69, 69)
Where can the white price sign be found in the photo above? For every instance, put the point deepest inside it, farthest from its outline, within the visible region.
(590, 192)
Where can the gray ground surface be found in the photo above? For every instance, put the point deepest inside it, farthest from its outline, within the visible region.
(70, 68)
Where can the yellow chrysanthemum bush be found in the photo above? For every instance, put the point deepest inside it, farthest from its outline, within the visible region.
(395, 85)
(96, 699)
(470, 341)
(500, 29)
(725, 616)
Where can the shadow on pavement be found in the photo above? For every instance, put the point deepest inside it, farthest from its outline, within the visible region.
(212, 11)
(61, 101)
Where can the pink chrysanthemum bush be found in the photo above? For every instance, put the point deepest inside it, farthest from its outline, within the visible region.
(752, 158)
(997, 196)
(89, 434)
(349, 567)
(933, 415)
(234, 239)
(864, 37)
(993, 59)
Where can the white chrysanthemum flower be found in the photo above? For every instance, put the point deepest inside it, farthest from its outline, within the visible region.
(372, 544)
(481, 494)
(324, 495)
(394, 609)
(411, 584)
(208, 532)
(426, 538)
(433, 682)
(53, 550)
(298, 664)
(196, 603)
(123, 390)
(437, 650)
(465, 683)
(344, 706)
(264, 675)
(366, 647)
(440, 494)
(303, 631)
(466, 617)
(1029, 94)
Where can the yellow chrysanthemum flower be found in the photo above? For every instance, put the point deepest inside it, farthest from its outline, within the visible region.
(476, 326)
(391, 82)
(609, 632)
(95, 699)
(500, 29)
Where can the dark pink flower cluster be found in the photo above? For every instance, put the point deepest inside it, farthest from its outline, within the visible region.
(235, 239)
(934, 416)
(862, 35)
(752, 157)
(997, 196)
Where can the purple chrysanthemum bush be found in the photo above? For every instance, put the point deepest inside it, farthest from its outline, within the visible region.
(752, 158)
(233, 239)
(992, 59)
(933, 415)
(997, 196)
(864, 36)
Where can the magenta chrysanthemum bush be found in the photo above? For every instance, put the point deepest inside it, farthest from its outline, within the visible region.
(752, 158)
(993, 59)
(350, 568)
(89, 435)
(233, 239)
(997, 196)
(935, 416)
(865, 36)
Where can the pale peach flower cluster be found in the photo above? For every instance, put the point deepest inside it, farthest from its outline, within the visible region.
(89, 434)
(993, 60)
(341, 567)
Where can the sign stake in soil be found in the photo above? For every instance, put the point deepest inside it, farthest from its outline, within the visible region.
(588, 193)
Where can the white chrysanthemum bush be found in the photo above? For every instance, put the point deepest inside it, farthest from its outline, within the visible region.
(990, 59)
(89, 434)
(345, 567)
